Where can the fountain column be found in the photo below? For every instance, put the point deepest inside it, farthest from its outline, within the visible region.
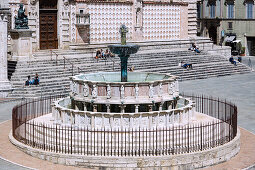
(124, 50)
(124, 60)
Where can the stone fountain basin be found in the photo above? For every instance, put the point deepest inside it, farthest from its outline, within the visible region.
(124, 49)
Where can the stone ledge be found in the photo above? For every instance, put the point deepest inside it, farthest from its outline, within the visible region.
(190, 161)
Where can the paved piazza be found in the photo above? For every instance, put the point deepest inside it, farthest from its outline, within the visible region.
(239, 89)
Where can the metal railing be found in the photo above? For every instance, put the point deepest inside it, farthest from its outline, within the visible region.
(218, 130)
(72, 66)
(65, 62)
(250, 64)
(51, 56)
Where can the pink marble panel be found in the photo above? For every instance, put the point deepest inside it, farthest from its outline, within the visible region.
(101, 91)
(144, 90)
(164, 88)
(156, 90)
(115, 91)
(129, 91)
(184, 22)
(80, 88)
(90, 89)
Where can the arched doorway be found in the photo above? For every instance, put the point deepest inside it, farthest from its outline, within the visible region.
(213, 34)
(48, 24)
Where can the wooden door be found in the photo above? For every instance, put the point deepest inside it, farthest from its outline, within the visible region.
(48, 30)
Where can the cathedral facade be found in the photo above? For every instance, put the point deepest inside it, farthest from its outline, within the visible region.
(56, 24)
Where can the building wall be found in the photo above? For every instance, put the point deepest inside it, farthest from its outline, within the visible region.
(241, 26)
(146, 20)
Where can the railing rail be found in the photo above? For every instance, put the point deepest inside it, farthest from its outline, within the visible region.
(125, 142)
(72, 66)
(250, 64)
(51, 56)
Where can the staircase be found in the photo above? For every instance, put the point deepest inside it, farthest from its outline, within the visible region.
(54, 76)
(11, 68)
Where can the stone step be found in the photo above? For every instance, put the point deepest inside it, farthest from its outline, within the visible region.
(54, 79)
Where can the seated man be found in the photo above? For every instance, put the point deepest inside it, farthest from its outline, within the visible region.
(98, 54)
(186, 65)
(196, 49)
(28, 81)
(232, 61)
(36, 80)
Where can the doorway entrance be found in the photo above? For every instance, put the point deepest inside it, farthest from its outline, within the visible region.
(213, 34)
(48, 24)
(251, 45)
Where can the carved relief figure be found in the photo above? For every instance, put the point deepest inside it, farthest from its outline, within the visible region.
(85, 90)
(151, 92)
(33, 2)
(160, 89)
(75, 88)
(66, 2)
(122, 92)
(108, 91)
(138, 13)
(94, 91)
(136, 91)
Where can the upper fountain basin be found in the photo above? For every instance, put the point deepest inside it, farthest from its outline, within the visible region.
(124, 49)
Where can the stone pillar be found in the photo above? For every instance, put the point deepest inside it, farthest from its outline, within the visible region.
(150, 108)
(21, 43)
(4, 82)
(108, 108)
(76, 106)
(122, 108)
(161, 106)
(94, 108)
(84, 106)
(170, 105)
(137, 108)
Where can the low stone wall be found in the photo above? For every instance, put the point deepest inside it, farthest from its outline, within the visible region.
(182, 161)
(223, 51)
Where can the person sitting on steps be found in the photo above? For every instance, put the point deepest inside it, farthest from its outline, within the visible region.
(98, 54)
(232, 61)
(186, 65)
(194, 48)
(36, 80)
(28, 81)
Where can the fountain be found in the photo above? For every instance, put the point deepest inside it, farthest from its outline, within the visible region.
(109, 122)
(124, 50)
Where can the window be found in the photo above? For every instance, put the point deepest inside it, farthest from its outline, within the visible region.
(212, 10)
(249, 9)
(230, 25)
(198, 10)
(231, 10)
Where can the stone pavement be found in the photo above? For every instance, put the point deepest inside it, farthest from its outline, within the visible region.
(5, 114)
(239, 89)
(244, 158)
